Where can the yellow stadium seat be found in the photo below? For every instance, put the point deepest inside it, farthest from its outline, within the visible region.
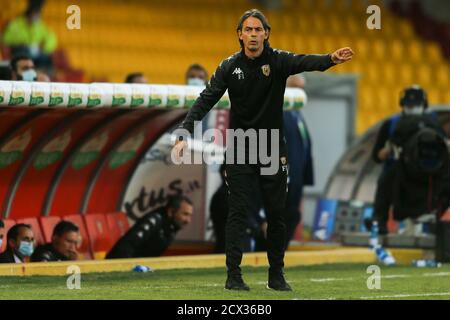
(424, 74)
(434, 96)
(433, 53)
(389, 73)
(378, 49)
(442, 76)
(406, 74)
(415, 51)
(404, 29)
(397, 50)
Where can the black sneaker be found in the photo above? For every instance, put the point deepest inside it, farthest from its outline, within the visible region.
(236, 283)
(278, 283)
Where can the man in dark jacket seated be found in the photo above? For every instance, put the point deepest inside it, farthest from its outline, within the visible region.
(65, 240)
(152, 234)
(20, 243)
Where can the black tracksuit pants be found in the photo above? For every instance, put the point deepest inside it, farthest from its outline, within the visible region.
(384, 197)
(241, 180)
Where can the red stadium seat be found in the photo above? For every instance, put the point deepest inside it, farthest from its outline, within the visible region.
(34, 223)
(47, 226)
(118, 225)
(8, 224)
(99, 234)
(84, 250)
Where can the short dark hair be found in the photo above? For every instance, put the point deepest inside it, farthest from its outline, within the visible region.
(14, 232)
(2, 225)
(196, 66)
(174, 202)
(256, 14)
(5, 72)
(64, 226)
(34, 6)
(17, 58)
(130, 77)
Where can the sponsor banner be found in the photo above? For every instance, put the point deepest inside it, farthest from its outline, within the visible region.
(117, 95)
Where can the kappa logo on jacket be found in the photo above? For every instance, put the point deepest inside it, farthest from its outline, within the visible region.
(239, 73)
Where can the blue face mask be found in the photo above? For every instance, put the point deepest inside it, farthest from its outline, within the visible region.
(29, 75)
(26, 248)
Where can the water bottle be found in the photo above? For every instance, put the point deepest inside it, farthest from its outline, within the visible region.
(373, 240)
(426, 264)
(140, 268)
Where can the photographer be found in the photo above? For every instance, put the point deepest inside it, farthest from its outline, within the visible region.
(403, 139)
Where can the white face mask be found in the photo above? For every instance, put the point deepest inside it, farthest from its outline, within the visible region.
(416, 110)
(195, 82)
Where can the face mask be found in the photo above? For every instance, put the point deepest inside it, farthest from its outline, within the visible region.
(418, 110)
(26, 248)
(29, 75)
(1, 242)
(195, 82)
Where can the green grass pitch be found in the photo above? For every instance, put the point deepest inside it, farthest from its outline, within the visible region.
(334, 281)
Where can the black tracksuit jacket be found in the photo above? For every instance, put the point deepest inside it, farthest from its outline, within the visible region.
(255, 88)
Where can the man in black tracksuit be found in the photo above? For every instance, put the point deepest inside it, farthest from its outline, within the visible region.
(256, 79)
(153, 233)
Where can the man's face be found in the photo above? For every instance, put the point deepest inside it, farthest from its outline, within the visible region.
(183, 215)
(253, 34)
(25, 234)
(67, 244)
(196, 74)
(23, 65)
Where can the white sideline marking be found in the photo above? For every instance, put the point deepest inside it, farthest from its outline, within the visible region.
(329, 298)
(329, 279)
(389, 276)
(409, 295)
(437, 274)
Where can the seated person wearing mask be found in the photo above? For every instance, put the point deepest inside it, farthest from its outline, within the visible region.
(152, 234)
(22, 69)
(196, 75)
(20, 244)
(65, 239)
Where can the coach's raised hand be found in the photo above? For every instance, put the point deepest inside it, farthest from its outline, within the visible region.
(342, 55)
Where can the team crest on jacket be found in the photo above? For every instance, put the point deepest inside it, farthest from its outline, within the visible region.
(266, 70)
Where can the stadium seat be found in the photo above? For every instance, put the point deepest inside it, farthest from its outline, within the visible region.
(118, 225)
(47, 226)
(84, 250)
(34, 223)
(8, 225)
(99, 235)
